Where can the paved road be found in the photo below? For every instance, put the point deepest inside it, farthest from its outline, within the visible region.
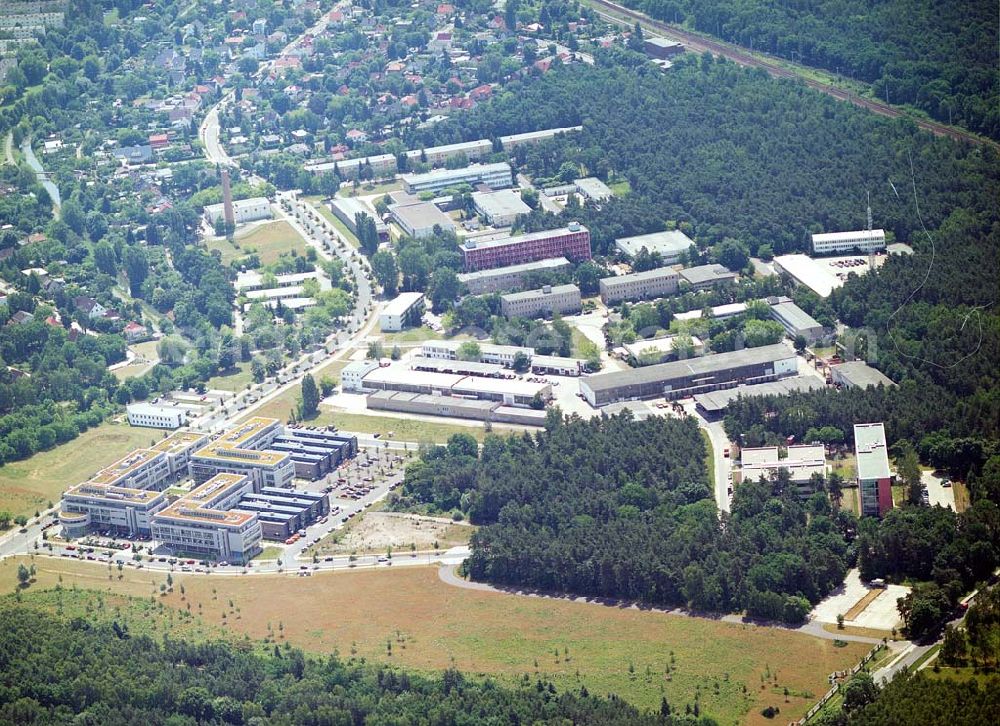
(779, 68)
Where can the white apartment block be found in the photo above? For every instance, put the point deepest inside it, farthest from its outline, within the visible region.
(548, 300)
(865, 241)
(156, 417)
(438, 155)
(645, 285)
(403, 311)
(244, 210)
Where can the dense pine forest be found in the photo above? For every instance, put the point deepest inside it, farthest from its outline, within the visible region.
(77, 672)
(622, 508)
(937, 56)
(728, 153)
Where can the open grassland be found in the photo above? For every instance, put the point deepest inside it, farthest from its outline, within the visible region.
(234, 380)
(403, 429)
(408, 617)
(268, 241)
(29, 485)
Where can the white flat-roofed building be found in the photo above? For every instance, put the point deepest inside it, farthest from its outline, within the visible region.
(657, 350)
(123, 509)
(178, 447)
(801, 461)
(347, 209)
(353, 374)
(533, 137)
(548, 300)
(419, 220)
(593, 189)
(201, 521)
(405, 310)
(512, 392)
(489, 352)
(556, 365)
(253, 280)
(874, 477)
(804, 270)
(669, 244)
(154, 416)
(244, 210)
(864, 241)
(644, 285)
(690, 376)
(858, 374)
(401, 378)
(438, 155)
(795, 320)
(382, 165)
(243, 450)
(501, 279)
(500, 208)
(719, 312)
(704, 277)
(495, 176)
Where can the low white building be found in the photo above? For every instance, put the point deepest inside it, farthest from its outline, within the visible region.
(244, 211)
(548, 300)
(402, 312)
(500, 208)
(353, 374)
(864, 241)
(154, 416)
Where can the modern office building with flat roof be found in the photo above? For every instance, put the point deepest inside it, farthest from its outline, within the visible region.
(644, 285)
(803, 270)
(503, 279)
(489, 352)
(243, 450)
(858, 374)
(546, 301)
(571, 242)
(154, 416)
(495, 176)
(863, 241)
(405, 310)
(874, 477)
(203, 522)
(801, 462)
(704, 277)
(690, 376)
(669, 245)
(419, 219)
(500, 208)
(512, 141)
(795, 320)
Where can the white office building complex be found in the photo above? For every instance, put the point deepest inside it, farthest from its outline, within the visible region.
(244, 210)
(865, 241)
(202, 521)
(404, 311)
(243, 450)
(156, 417)
(670, 245)
(500, 208)
(353, 374)
(489, 352)
(548, 300)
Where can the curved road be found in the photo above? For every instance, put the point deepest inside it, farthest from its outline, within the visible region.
(700, 44)
(448, 574)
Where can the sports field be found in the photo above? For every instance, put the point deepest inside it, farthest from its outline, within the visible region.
(30, 484)
(408, 617)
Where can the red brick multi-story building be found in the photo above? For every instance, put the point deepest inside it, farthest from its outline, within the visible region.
(571, 242)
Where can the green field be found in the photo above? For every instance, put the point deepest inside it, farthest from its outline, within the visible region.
(620, 188)
(29, 485)
(638, 655)
(412, 335)
(370, 189)
(269, 241)
(233, 380)
(404, 429)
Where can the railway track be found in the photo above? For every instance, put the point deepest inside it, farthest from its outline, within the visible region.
(700, 44)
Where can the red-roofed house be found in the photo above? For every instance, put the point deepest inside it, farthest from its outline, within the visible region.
(134, 331)
(159, 141)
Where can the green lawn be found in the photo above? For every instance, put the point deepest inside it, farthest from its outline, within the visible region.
(269, 241)
(233, 380)
(367, 190)
(29, 485)
(281, 406)
(404, 429)
(620, 188)
(411, 335)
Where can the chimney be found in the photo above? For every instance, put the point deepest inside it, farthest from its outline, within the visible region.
(227, 200)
